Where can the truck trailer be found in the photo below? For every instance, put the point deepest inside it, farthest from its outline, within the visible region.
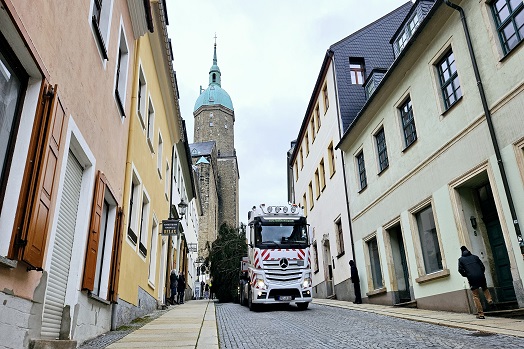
(278, 266)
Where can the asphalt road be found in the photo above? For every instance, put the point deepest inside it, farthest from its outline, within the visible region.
(287, 327)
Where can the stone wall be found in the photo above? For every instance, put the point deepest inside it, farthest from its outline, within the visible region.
(127, 312)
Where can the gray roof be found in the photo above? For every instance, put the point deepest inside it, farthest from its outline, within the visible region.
(202, 149)
(370, 44)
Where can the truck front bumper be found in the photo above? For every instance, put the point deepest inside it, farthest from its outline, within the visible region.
(281, 295)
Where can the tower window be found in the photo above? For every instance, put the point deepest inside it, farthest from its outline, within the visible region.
(214, 77)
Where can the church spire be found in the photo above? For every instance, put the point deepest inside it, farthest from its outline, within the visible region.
(214, 72)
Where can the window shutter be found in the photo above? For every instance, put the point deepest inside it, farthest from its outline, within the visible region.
(38, 196)
(94, 232)
(115, 257)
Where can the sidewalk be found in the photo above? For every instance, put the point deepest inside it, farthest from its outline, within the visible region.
(188, 325)
(499, 325)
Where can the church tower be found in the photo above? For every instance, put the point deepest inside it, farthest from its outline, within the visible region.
(215, 121)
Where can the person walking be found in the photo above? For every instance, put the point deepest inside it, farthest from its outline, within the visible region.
(202, 285)
(356, 282)
(181, 288)
(173, 283)
(471, 267)
(206, 291)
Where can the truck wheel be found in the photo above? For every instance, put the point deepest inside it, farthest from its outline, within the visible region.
(302, 306)
(250, 303)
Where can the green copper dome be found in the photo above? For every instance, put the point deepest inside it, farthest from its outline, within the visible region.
(214, 94)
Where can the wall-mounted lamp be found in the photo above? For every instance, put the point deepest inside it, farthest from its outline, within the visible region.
(182, 207)
(473, 220)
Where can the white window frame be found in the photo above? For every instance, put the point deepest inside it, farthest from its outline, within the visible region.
(144, 221)
(159, 151)
(142, 92)
(150, 122)
(121, 74)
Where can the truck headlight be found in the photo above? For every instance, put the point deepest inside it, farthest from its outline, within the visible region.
(306, 283)
(261, 283)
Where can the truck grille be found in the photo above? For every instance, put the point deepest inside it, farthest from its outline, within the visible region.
(290, 275)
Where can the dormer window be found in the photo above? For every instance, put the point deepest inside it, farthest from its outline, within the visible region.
(406, 33)
(373, 80)
(356, 70)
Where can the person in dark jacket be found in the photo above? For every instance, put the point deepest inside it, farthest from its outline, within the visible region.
(173, 283)
(471, 267)
(356, 282)
(181, 288)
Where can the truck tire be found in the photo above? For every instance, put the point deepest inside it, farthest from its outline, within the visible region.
(302, 306)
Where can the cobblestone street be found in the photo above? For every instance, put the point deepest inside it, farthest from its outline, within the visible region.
(329, 327)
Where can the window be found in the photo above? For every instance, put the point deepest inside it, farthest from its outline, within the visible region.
(331, 158)
(406, 34)
(103, 245)
(152, 254)
(296, 171)
(370, 88)
(100, 22)
(311, 201)
(306, 143)
(150, 124)
(509, 18)
(361, 166)
(317, 183)
(313, 128)
(144, 217)
(408, 123)
(121, 73)
(322, 175)
(166, 181)
(374, 260)
(429, 241)
(356, 71)
(304, 204)
(326, 99)
(301, 158)
(159, 155)
(141, 97)
(317, 117)
(380, 139)
(12, 82)
(132, 226)
(340, 237)
(449, 81)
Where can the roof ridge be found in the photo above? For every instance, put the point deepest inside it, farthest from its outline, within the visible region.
(364, 29)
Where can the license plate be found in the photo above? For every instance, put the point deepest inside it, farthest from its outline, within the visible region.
(284, 298)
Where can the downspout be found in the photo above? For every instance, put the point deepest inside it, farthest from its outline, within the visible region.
(490, 124)
(331, 54)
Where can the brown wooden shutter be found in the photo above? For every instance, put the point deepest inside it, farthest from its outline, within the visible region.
(94, 232)
(39, 185)
(115, 257)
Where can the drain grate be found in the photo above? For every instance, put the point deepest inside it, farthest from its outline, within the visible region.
(481, 334)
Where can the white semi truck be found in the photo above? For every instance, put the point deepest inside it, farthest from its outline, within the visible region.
(278, 266)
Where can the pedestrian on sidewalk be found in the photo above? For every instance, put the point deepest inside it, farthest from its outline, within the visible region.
(356, 282)
(206, 291)
(202, 285)
(181, 288)
(471, 267)
(173, 283)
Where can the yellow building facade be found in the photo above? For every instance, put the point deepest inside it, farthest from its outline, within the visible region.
(155, 126)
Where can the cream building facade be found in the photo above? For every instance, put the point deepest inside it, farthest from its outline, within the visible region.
(424, 173)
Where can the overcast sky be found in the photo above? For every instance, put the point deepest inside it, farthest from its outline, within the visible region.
(269, 53)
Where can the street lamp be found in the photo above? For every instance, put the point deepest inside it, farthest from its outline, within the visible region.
(182, 208)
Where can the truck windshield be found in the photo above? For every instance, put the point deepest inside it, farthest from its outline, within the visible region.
(271, 235)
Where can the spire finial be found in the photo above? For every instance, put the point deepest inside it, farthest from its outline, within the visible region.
(215, 53)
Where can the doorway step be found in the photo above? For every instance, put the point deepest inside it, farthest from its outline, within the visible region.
(410, 304)
(333, 296)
